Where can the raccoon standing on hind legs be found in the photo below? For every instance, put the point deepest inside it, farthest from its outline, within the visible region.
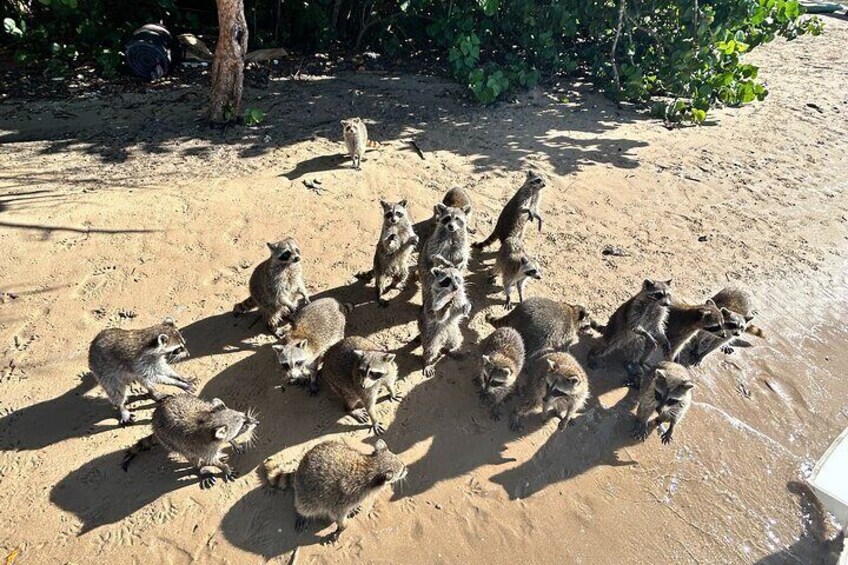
(276, 285)
(666, 391)
(444, 307)
(391, 268)
(637, 328)
(523, 207)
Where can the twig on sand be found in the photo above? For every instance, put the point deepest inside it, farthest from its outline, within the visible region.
(417, 149)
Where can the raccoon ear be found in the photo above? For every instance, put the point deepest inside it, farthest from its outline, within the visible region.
(437, 272)
(688, 385)
(661, 376)
(380, 446)
(356, 120)
(278, 348)
(748, 318)
(218, 404)
(162, 340)
(440, 208)
(402, 203)
(486, 359)
(359, 353)
(669, 281)
(221, 432)
(344, 122)
(726, 313)
(389, 357)
(581, 312)
(530, 173)
(524, 260)
(573, 380)
(466, 210)
(271, 246)
(300, 344)
(169, 321)
(384, 203)
(710, 303)
(648, 283)
(551, 364)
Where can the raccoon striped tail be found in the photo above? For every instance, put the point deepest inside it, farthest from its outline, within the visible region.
(347, 308)
(245, 306)
(365, 276)
(597, 327)
(277, 478)
(485, 243)
(755, 330)
(494, 322)
(372, 143)
(143, 444)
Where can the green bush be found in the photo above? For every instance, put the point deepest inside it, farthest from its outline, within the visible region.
(682, 55)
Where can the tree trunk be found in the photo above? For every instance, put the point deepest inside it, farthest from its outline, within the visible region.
(228, 68)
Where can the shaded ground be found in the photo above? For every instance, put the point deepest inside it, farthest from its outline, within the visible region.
(122, 209)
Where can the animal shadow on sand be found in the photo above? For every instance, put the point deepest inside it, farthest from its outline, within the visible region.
(318, 164)
(593, 439)
(100, 493)
(43, 424)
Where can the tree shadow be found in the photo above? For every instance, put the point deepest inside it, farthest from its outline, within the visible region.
(43, 424)
(814, 546)
(397, 106)
(100, 493)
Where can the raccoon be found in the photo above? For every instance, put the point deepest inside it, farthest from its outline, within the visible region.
(356, 140)
(555, 383)
(198, 430)
(501, 361)
(521, 208)
(668, 392)
(515, 267)
(737, 309)
(445, 306)
(333, 481)
(119, 358)
(449, 241)
(637, 327)
(545, 324)
(394, 250)
(316, 328)
(354, 369)
(276, 285)
(454, 198)
(686, 320)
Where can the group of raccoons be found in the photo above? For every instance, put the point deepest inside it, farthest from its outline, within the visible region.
(526, 356)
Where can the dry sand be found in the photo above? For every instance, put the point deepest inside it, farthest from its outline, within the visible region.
(121, 210)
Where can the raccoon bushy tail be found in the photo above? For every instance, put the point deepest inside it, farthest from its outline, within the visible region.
(245, 306)
(277, 478)
(143, 444)
(755, 330)
(486, 242)
(495, 322)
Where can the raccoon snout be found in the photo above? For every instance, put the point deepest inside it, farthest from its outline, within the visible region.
(296, 259)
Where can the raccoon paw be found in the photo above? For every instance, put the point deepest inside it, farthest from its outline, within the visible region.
(360, 415)
(395, 397)
(313, 388)
(492, 279)
(238, 449)
(126, 421)
(666, 437)
(429, 371)
(377, 428)
(355, 511)
(496, 413)
(207, 481)
(564, 423)
(516, 424)
(333, 538)
(230, 476)
(727, 350)
(640, 431)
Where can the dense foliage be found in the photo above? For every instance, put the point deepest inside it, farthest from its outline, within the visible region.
(684, 53)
